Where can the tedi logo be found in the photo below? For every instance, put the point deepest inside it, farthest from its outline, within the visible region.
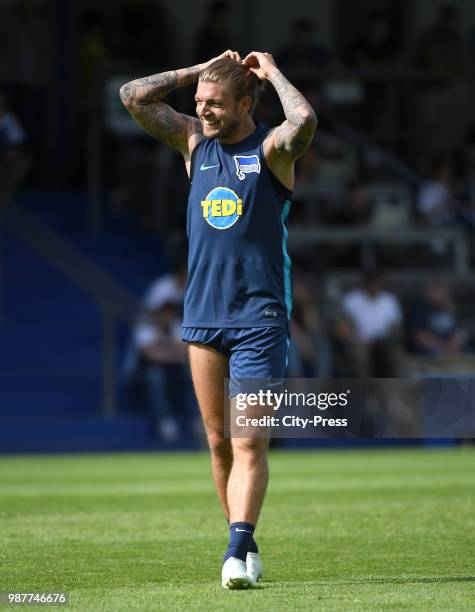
(221, 208)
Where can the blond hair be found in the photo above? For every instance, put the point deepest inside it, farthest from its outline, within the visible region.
(241, 80)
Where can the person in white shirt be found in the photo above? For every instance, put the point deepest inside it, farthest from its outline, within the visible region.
(367, 330)
(367, 345)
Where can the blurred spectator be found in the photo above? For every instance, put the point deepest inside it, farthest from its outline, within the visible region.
(377, 49)
(367, 345)
(216, 35)
(433, 327)
(159, 362)
(367, 331)
(467, 184)
(442, 47)
(325, 111)
(357, 208)
(307, 357)
(303, 54)
(94, 53)
(306, 170)
(143, 35)
(376, 52)
(145, 177)
(337, 160)
(435, 202)
(326, 168)
(14, 161)
(440, 108)
(26, 66)
(26, 43)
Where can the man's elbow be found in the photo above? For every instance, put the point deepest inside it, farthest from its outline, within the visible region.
(309, 120)
(127, 94)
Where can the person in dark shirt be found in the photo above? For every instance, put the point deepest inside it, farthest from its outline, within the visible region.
(216, 33)
(147, 24)
(377, 49)
(302, 52)
(14, 160)
(376, 52)
(442, 48)
(434, 328)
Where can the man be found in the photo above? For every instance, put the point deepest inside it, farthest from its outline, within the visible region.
(434, 327)
(368, 331)
(238, 295)
(367, 345)
(161, 360)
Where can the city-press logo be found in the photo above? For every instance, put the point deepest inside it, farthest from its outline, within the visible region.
(245, 164)
(221, 208)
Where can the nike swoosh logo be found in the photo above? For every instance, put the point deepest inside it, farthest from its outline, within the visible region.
(246, 530)
(203, 167)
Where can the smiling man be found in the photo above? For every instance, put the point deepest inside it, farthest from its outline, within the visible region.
(238, 296)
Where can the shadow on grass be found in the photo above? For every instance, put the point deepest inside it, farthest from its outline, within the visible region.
(273, 584)
(423, 580)
(389, 580)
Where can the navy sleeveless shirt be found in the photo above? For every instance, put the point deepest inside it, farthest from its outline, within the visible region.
(238, 266)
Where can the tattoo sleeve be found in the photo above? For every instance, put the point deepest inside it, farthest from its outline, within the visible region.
(296, 133)
(143, 99)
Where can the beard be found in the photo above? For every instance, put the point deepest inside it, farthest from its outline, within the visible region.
(224, 131)
(229, 130)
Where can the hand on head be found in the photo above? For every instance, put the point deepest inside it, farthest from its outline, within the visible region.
(227, 54)
(261, 64)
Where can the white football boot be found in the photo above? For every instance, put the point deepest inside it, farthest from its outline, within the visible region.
(254, 567)
(234, 574)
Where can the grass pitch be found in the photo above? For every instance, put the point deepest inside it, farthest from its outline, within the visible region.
(354, 530)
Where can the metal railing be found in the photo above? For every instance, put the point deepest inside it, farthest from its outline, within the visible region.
(368, 238)
(99, 118)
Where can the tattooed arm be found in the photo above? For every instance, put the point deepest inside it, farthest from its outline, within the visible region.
(143, 98)
(287, 142)
(296, 133)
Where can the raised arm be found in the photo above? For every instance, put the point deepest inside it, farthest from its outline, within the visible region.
(143, 98)
(290, 140)
(295, 134)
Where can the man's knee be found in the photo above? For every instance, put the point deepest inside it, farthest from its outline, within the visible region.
(218, 444)
(250, 449)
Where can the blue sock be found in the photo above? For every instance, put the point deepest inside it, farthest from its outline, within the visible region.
(240, 535)
(253, 546)
(252, 543)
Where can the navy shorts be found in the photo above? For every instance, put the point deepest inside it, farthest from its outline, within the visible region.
(257, 355)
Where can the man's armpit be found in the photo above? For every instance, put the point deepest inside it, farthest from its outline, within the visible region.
(195, 134)
(292, 141)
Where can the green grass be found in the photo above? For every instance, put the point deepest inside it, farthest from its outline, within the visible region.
(359, 530)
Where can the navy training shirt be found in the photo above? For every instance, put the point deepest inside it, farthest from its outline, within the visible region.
(238, 266)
